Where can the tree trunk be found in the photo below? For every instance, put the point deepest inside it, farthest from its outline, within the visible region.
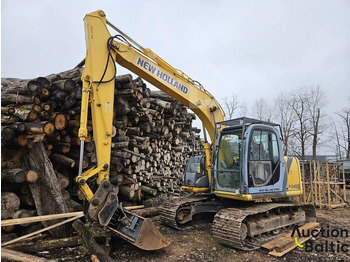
(45, 191)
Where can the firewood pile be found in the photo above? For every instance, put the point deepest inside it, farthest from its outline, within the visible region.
(152, 140)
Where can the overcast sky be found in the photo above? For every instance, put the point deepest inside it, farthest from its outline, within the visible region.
(254, 49)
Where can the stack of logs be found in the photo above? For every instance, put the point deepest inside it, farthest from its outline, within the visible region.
(152, 140)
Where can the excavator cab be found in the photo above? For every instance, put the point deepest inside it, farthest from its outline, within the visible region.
(247, 164)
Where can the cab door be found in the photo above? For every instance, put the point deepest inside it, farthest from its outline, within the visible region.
(264, 161)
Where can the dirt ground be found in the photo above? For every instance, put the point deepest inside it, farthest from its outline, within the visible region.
(199, 245)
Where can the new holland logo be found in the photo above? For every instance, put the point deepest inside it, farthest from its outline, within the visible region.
(161, 75)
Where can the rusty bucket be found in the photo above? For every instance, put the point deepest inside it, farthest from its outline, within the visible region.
(139, 231)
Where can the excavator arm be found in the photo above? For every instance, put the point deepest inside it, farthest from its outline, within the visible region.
(102, 52)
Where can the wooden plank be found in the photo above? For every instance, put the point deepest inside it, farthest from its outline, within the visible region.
(344, 184)
(41, 230)
(289, 247)
(18, 221)
(286, 241)
(328, 188)
(24, 220)
(134, 207)
(304, 190)
(311, 184)
(318, 164)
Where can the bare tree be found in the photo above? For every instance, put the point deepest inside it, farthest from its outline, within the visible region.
(284, 114)
(301, 132)
(343, 136)
(338, 148)
(316, 102)
(230, 106)
(261, 110)
(243, 108)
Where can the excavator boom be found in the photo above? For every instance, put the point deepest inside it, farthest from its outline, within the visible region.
(98, 91)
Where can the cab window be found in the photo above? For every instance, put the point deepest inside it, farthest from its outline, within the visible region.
(228, 160)
(263, 158)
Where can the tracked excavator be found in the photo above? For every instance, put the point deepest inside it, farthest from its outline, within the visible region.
(243, 183)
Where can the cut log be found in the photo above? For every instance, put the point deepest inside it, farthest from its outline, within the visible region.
(34, 86)
(9, 204)
(7, 110)
(7, 119)
(127, 192)
(7, 133)
(60, 120)
(149, 191)
(46, 127)
(147, 212)
(42, 245)
(122, 79)
(46, 191)
(67, 85)
(32, 176)
(63, 160)
(7, 99)
(63, 182)
(15, 175)
(15, 256)
(120, 145)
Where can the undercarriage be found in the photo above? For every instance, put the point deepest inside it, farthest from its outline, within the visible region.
(242, 225)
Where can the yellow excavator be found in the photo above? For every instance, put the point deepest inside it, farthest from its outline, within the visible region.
(242, 182)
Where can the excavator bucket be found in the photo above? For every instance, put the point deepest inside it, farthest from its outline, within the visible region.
(138, 230)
